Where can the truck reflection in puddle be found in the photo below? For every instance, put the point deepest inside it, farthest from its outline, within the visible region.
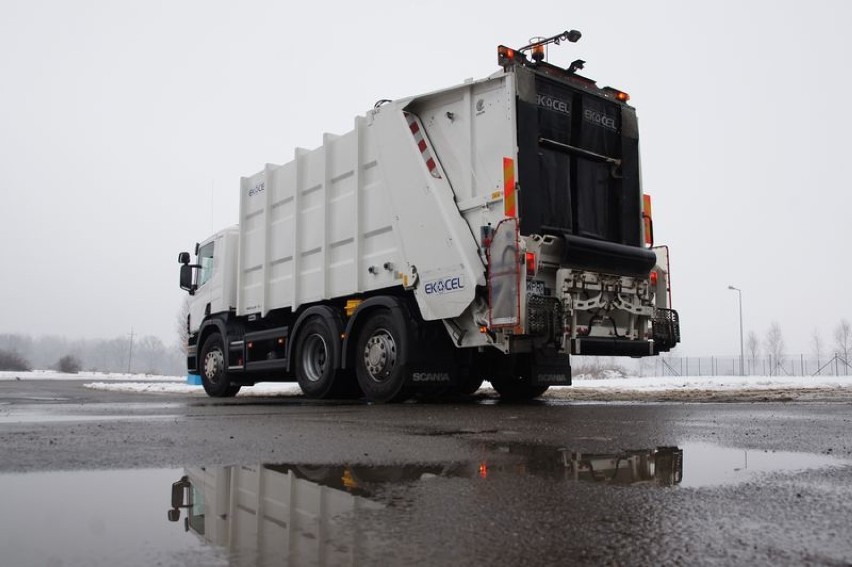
(307, 513)
(663, 466)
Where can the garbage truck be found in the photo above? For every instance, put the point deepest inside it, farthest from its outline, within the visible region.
(485, 231)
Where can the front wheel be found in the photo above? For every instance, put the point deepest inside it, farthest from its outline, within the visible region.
(379, 368)
(214, 374)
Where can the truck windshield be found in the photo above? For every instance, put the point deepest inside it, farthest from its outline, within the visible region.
(205, 260)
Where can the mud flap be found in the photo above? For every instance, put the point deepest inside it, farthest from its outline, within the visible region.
(433, 368)
(550, 368)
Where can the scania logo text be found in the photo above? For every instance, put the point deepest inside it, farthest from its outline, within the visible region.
(552, 379)
(430, 377)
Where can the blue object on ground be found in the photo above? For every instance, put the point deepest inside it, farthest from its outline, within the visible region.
(193, 379)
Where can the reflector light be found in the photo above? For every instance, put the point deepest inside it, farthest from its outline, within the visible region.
(531, 263)
(351, 306)
(483, 470)
(509, 204)
(620, 96)
(654, 277)
(647, 220)
(348, 480)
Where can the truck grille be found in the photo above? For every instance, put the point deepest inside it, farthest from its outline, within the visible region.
(544, 316)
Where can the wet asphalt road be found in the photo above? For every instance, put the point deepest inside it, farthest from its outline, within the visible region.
(479, 482)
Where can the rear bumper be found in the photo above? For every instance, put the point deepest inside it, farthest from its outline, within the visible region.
(603, 346)
(607, 257)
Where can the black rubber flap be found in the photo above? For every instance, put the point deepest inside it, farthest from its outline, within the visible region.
(607, 257)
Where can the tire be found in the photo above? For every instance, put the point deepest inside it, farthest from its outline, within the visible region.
(214, 375)
(513, 379)
(314, 362)
(379, 359)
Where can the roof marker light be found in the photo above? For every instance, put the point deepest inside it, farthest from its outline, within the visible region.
(618, 95)
(506, 56)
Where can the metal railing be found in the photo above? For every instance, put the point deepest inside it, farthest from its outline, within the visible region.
(836, 364)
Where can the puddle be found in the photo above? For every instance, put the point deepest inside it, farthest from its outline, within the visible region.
(94, 518)
(711, 465)
(66, 413)
(298, 514)
(34, 417)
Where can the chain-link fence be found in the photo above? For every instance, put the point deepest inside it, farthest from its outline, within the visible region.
(787, 365)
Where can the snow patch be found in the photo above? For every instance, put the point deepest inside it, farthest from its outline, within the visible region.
(105, 376)
(676, 388)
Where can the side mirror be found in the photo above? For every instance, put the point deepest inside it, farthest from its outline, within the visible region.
(183, 258)
(178, 492)
(186, 283)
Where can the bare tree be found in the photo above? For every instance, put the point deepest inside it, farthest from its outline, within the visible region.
(753, 348)
(181, 326)
(843, 341)
(774, 346)
(817, 346)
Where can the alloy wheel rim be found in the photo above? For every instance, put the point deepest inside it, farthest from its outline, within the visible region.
(380, 355)
(214, 364)
(314, 358)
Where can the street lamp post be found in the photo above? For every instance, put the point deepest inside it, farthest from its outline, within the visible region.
(742, 350)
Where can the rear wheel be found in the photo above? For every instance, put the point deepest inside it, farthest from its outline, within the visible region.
(470, 375)
(513, 379)
(378, 357)
(315, 369)
(214, 374)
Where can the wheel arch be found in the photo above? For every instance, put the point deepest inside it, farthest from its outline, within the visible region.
(208, 327)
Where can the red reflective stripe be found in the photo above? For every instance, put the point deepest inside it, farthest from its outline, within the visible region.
(422, 145)
(509, 203)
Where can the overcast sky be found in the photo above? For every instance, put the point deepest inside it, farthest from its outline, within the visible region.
(126, 125)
